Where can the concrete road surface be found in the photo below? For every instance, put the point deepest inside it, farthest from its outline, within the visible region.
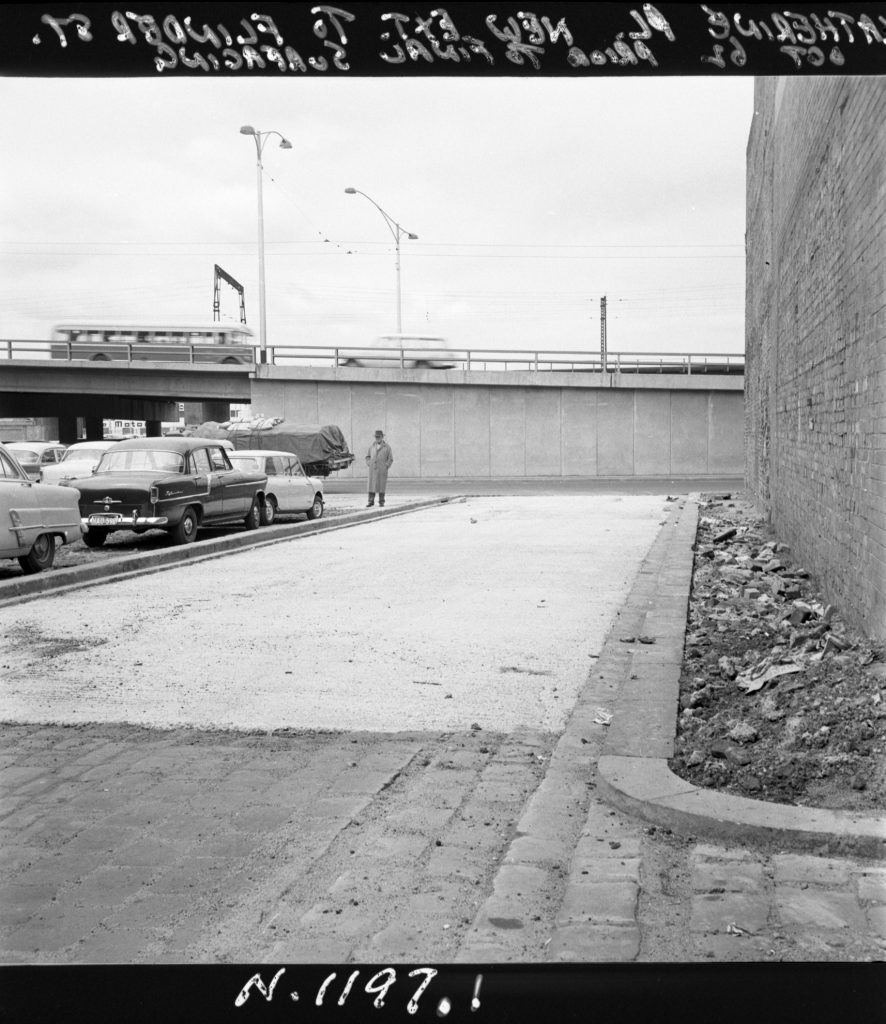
(486, 611)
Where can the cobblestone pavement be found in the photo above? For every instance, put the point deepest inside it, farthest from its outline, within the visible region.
(124, 845)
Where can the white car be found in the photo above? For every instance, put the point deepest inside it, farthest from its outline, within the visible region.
(79, 460)
(35, 456)
(289, 489)
(34, 517)
(412, 351)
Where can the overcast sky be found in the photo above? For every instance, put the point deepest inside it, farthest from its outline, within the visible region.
(532, 198)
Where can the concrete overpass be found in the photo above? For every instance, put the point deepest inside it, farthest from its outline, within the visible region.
(441, 423)
(114, 390)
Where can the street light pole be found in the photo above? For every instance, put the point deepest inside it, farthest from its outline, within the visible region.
(398, 232)
(260, 139)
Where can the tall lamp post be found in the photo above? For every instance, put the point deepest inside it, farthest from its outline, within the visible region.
(260, 139)
(398, 232)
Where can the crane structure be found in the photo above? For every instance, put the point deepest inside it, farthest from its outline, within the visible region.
(221, 275)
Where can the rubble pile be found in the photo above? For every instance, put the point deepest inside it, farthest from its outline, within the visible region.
(780, 699)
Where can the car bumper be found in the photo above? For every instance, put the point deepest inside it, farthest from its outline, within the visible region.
(119, 522)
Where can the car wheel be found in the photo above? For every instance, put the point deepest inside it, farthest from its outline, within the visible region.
(40, 556)
(186, 530)
(95, 537)
(268, 511)
(253, 518)
(316, 510)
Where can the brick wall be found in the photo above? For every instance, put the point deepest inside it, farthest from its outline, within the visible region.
(815, 382)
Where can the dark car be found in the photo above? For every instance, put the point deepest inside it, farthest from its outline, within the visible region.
(177, 484)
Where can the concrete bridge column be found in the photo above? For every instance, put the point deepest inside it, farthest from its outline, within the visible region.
(67, 429)
(94, 428)
(153, 428)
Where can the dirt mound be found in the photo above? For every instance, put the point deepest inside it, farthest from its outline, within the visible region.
(780, 700)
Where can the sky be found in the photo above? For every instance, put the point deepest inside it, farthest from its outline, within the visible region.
(531, 198)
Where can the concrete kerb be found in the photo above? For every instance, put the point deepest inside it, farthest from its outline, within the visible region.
(644, 785)
(28, 588)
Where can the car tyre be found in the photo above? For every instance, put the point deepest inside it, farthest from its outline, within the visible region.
(253, 518)
(316, 510)
(95, 536)
(186, 530)
(268, 511)
(41, 555)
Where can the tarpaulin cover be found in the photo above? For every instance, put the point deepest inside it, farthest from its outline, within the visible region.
(310, 444)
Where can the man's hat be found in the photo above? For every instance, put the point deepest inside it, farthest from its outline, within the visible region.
(379, 433)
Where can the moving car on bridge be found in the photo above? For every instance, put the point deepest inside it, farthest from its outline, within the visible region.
(176, 484)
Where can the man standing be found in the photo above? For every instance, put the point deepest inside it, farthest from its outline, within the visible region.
(378, 459)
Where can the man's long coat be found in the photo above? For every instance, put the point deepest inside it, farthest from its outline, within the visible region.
(379, 460)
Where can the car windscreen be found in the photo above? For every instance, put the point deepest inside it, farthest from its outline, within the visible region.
(82, 453)
(246, 463)
(139, 459)
(24, 454)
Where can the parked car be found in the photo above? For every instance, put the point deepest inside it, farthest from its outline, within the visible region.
(412, 351)
(176, 484)
(78, 460)
(35, 516)
(34, 456)
(289, 489)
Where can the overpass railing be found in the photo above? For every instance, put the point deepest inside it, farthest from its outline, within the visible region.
(533, 360)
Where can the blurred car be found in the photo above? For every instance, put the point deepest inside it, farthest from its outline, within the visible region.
(176, 484)
(289, 489)
(34, 456)
(417, 350)
(36, 516)
(78, 460)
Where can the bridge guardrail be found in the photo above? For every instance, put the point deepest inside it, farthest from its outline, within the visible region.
(533, 360)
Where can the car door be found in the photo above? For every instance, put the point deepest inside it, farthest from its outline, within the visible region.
(208, 486)
(238, 488)
(20, 519)
(301, 488)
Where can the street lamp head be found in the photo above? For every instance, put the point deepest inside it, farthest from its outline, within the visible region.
(247, 129)
(412, 236)
(285, 143)
(351, 191)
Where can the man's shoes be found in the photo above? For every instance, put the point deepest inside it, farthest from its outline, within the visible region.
(369, 504)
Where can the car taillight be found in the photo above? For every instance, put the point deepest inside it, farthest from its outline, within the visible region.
(155, 494)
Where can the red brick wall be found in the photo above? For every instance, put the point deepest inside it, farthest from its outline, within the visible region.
(815, 383)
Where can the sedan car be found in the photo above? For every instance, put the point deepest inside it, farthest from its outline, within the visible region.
(35, 456)
(78, 460)
(176, 484)
(411, 351)
(289, 489)
(36, 516)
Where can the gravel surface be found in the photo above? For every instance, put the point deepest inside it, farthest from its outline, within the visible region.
(781, 700)
(483, 611)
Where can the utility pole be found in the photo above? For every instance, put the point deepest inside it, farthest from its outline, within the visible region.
(603, 333)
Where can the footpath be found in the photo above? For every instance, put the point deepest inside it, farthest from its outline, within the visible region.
(760, 881)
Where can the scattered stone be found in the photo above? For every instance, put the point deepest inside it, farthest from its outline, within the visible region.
(751, 783)
(858, 782)
(743, 733)
(727, 668)
(695, 758)
(726, 535)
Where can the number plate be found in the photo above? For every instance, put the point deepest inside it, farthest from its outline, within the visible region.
(103, 520)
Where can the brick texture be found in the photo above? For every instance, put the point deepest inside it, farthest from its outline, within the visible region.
(816, 330)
